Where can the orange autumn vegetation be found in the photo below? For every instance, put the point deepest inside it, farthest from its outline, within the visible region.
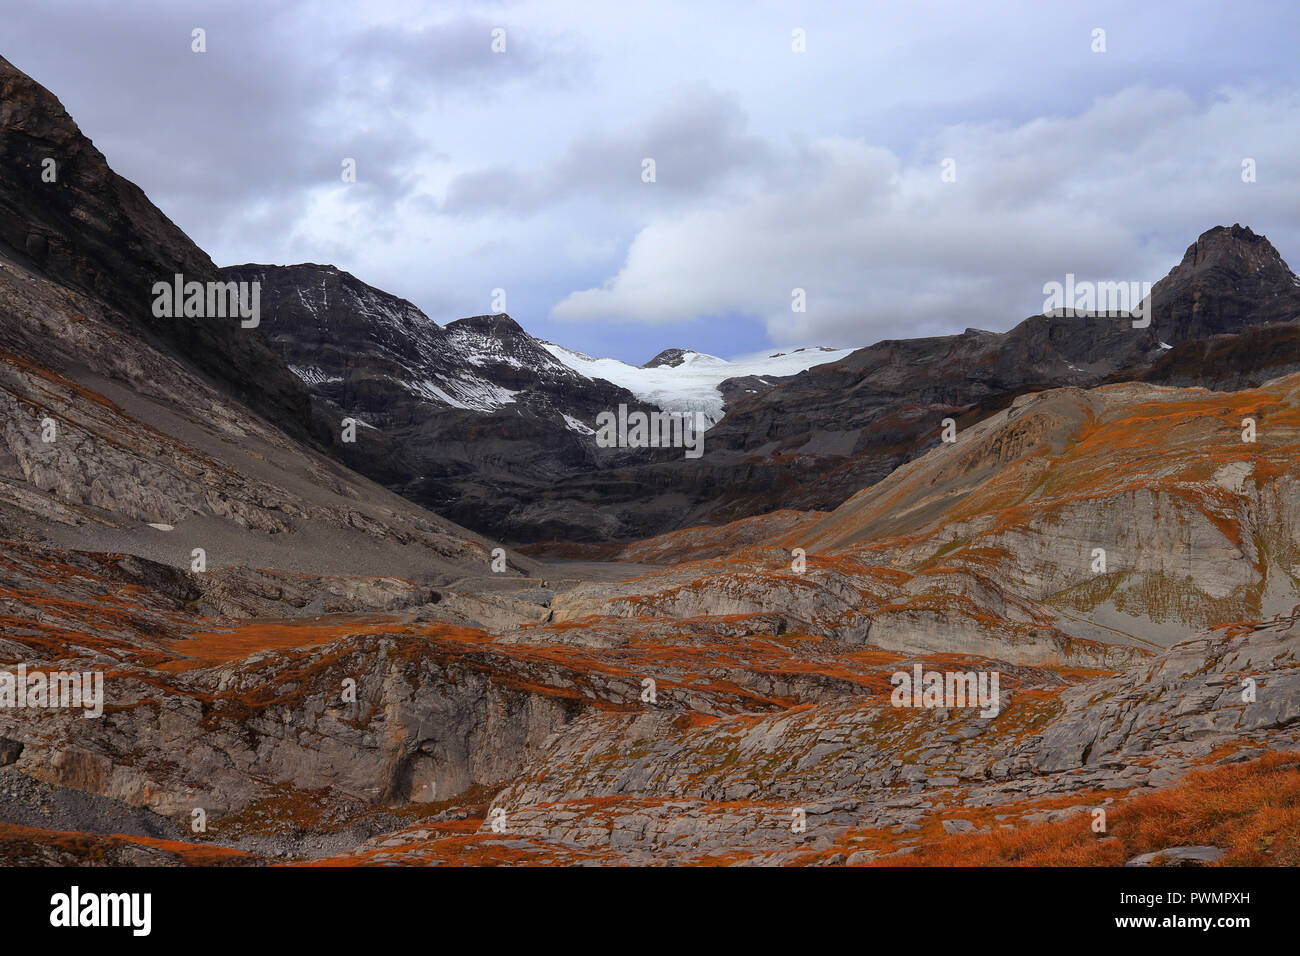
(1251, 809)
(246, 638)
(19, 843)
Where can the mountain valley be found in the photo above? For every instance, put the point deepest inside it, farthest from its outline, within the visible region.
(474, 636)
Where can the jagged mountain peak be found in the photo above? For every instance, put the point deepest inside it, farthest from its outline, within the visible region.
(335, 296)
(498, 340)
(1228, 243)
(498, 324)
(1230, 279)
(670, 358)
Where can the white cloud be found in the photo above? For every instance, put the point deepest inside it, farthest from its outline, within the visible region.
(885, 249)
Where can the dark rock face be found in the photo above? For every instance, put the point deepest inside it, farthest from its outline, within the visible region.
(670, 358)
(736, 390)
(94, 231)
(10, 751)
(1229, 279)
(1229, 363)
(475, 419)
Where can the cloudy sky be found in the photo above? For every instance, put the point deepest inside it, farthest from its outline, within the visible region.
(774, 169)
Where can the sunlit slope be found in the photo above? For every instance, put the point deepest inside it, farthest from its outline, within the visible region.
(1069, 528)
(1198, 525)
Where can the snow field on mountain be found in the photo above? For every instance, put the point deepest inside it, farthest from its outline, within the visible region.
(692, 386)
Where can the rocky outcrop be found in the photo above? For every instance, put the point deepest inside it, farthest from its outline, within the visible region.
(863, 765)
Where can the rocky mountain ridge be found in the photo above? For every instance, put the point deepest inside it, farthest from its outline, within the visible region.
(1226, 316)
(476, 419)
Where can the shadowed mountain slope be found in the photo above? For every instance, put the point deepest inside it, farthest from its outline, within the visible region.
(91, 230)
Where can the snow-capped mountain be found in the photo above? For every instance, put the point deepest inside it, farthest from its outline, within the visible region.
(476, 418)
(495, 429)
(685, 380)
(372, 355)
(356, 345)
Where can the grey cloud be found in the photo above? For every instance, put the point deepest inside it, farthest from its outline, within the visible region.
(697, 138)
(522, 170)
(265, 117)
(399, 67)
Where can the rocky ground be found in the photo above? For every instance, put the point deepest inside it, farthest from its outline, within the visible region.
(362, 687)
(473, 747)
